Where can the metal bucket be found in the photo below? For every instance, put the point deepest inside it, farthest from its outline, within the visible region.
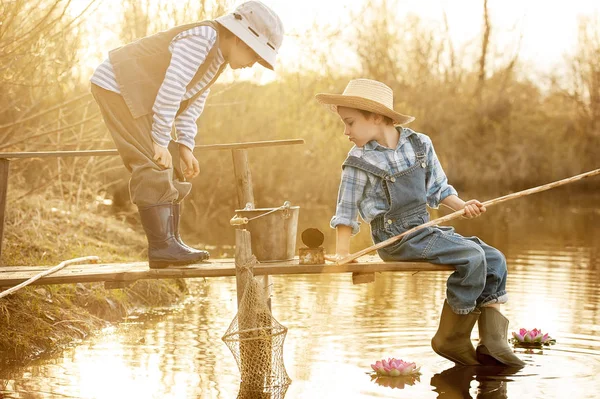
(273, 235)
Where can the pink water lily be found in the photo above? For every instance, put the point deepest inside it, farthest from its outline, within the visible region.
(395, 367)
(533, 337)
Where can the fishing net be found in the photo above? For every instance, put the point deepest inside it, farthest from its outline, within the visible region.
(256, 340)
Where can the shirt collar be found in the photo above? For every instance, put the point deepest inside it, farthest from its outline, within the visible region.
(374, 145)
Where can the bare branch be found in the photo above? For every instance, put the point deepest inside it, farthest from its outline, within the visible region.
(484, 49)
(20, 121)
(94, 116)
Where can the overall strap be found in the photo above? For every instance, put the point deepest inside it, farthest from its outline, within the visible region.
(419, 148)
(365, 166)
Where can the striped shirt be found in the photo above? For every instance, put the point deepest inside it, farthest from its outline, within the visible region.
(362, 192)
(189, 49)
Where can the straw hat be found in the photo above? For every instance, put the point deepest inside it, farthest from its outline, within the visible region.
(366, 94)
(259, 27)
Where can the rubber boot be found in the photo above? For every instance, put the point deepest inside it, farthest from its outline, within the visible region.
(493, 345)
(176, 217)
(163, 248)
(453, 337)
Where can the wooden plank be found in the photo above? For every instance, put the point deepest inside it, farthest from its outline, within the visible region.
(4, 165)
(52, 270)
(215, 268)
(38, 269)
(104, 153)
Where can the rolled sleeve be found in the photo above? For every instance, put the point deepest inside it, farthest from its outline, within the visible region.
(341, 221)
(436, 180)
(350, 193)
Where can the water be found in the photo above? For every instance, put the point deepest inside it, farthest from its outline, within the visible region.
(336, 329)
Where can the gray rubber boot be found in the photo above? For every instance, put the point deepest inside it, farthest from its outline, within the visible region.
(176, 216)
(493, 347)
(163, 249)
(453, 337)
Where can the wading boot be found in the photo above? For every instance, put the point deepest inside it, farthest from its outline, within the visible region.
(493, 345)
(163, 248)
(453, 337)
(176, 216)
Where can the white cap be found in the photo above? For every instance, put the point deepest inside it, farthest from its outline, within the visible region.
(259, 27)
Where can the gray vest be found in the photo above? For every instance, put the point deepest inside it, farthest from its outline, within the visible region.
(140, 68)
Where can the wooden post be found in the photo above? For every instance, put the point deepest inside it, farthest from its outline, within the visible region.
(243, 253)
(243, 178)
(249, 321)
(245, 193)
(4, 164)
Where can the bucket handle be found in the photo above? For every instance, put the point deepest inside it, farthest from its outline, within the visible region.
(237, 221)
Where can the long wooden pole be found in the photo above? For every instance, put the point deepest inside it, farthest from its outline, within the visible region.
(9, 291)
(4, 166)
(461, 212)
(102, 153)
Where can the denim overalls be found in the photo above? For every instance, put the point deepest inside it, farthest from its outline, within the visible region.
(480, 276)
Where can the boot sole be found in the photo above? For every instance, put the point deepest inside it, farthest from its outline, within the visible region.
(485, 357)
(166, 264)
(450, 357)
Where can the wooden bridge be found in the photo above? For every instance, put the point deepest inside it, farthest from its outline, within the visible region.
(116, 275)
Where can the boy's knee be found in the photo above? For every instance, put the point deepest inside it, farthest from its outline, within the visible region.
(496, 260)
(476, 256)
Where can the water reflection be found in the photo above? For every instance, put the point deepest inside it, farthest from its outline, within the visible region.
(251, 392)
(336, 330)
(455, 382)
(396, 382)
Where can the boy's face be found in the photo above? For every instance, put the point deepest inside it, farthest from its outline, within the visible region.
(242, 55)
(359, 129)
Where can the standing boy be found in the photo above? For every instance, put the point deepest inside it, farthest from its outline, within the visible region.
(153, 85)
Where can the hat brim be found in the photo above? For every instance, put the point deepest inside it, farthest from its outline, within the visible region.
(267, 55)
(332, 101)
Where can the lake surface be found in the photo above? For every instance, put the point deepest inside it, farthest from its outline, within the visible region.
(336, 329)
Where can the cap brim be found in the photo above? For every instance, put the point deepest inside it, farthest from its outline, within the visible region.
(332, 101)
(267, 55)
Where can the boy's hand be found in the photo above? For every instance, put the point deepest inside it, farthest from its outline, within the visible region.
(337, 257)
(162, 156)
(473, 208)
(189, 163)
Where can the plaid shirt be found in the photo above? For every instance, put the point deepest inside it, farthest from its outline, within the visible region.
(360, 192)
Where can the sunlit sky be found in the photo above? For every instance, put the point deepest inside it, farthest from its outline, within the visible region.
(548, 29)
